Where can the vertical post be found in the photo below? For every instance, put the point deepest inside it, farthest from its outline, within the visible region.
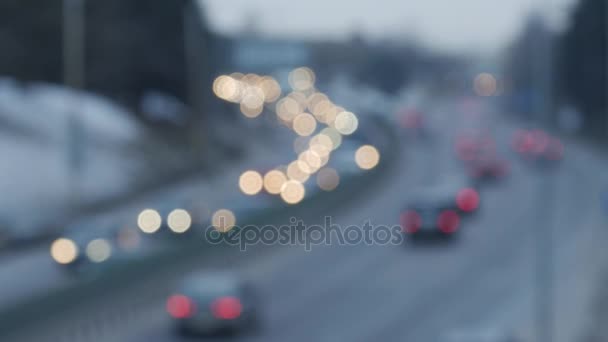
(544, 246)
(195, 74)
(73, 75)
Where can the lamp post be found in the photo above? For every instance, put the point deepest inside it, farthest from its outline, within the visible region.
(73, 77)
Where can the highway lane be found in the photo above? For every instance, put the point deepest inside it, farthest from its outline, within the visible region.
(418, 293)
(413, 293)
(32, 272)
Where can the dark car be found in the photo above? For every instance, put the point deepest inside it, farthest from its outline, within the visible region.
(214, 303)
(438, 210)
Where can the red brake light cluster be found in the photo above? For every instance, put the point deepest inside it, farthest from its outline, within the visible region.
(180, 306)
(226, 308)
(410, 221)
(448, 221)
(537, 143)
(467, 200)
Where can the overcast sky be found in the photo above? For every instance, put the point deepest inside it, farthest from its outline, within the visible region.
(447, 24)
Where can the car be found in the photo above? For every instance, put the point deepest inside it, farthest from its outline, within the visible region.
(413, 122)
(90, 245)
(488, 167)
(470, 146)
(537, 145)
(438, 210)
(217, 302)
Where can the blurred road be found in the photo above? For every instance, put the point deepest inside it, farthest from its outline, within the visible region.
(482, 283)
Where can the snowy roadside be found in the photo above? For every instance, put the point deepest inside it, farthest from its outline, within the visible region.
(119, 158)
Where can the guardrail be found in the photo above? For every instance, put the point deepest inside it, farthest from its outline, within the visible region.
(113, 299)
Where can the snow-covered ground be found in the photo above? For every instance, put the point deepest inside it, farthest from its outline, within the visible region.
(36, 180)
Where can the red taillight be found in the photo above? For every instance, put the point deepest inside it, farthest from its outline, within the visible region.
(226, 308)
(467, 199)
(410, 221)
(540, 141)
(448, 221)
(180, 306)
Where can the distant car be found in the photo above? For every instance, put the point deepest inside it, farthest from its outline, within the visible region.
(439, 209)
(537, 145)
(214, 303)
(90, 245)
(412, 121)
(488, 167)
(469, 147)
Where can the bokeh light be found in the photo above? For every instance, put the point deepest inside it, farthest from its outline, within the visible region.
(223, 220)
(311, 161)
(333, 135)
(301, 79)
(328, 179)
(64, 251)
(98, 250)
(346, 123)
(293, 192)
(149, 221)
(273, 181)
(179, 221)
(304, 124)
(287, 109)
(251, 182)
(314, 99)
(367, 157)
(321, 144)
(271, 89)
(227, 88)
(251, 112)
(485, 84)
(298, 171)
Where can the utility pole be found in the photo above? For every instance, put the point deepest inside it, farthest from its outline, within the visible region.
(73, 76)
(544, 225)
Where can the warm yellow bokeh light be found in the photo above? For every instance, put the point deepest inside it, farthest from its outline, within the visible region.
(271, 89)
(322, 109)
(298, 171)
(304, 124)
(273, 181)
(367, 157)
(346, 123)
(251, 112)
(311, 161)
(314, 99)
(253, 97)
(179, 221)
(251, 182)
(64, 251)
(99, 250)
(223, 220)
(149, 221)
(321, 144)
(301, 79)
(485, 84)
(293, 192)
(300, 97)
(328, 179)
(227, 88)
(288, 109)
(334, 135)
